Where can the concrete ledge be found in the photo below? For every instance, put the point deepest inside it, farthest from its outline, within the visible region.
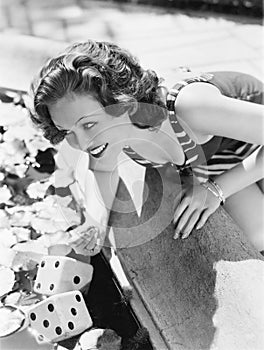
(181, 283)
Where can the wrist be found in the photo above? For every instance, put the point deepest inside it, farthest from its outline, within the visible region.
(215, 189)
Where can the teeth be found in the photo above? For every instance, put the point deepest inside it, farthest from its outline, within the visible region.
(98, 150)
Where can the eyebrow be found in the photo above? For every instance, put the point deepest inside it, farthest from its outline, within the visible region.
(85, 116)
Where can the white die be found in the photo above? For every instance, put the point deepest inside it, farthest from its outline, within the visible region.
(59, 274)
(60, 317)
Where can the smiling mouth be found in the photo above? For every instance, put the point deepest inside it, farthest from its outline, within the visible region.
(98, 151)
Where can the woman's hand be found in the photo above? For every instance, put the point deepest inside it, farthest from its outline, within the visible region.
(87, 239)
(192, 211)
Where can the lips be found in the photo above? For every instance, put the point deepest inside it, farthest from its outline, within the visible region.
(98, 151)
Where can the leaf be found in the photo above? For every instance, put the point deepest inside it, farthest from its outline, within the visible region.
(7, 278)
(53, 215)
(11, 320)
(47, 225)
(21, 233)
(5, 194)
(54, 239)
(22, 198)
(38, 143)
(21, 216)
(25, 261)
(12, 298)
(60, 250)
(63, 201)
(7, 256)
(4, 221)
(30, 299)
(7, 237)
(34, 247)
(28, 255)
(38, 189)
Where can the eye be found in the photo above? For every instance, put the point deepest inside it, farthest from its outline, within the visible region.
(88, 125)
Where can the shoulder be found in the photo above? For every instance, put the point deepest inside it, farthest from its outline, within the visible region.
(208, 112)
(196, 94)
(196, 102)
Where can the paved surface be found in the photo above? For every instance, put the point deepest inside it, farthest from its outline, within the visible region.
(162, 40)
(203, 293)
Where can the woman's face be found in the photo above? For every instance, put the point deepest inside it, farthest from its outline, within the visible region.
(89, 128)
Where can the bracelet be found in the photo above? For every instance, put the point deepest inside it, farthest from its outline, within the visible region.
(218, 191)
(207, 187)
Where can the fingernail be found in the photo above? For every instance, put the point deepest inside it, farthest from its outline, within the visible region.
(176, 235)
(185, 235)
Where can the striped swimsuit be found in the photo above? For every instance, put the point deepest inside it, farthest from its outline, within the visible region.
(219, 153)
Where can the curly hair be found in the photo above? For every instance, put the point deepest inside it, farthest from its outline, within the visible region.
(111, 74)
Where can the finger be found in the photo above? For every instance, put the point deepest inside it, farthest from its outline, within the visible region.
(180, 209)
(85, 242)
(179, 197)
(81, 232)
(93, 236)
(183, 220)
(89, 244)
(74, 234)
(79, 243)
(204, 217)
(92, 243)
(82, 251)
(91, 249)
(191, 224)
(85, 249)
(94, 251)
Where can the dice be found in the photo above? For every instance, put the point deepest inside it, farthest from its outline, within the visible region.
(59, 274)
(59, 317)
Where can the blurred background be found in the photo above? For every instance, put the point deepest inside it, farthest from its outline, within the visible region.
(204, 35)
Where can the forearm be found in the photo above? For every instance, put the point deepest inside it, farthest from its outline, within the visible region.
(244, 174)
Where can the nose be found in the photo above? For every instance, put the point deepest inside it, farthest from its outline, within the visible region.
(77, 139)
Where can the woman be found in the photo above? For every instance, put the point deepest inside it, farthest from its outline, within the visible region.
(98, 97)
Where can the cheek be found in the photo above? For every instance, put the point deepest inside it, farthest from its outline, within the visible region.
(111, 130)
(105, 132)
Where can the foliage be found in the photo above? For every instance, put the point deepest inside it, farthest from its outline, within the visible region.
(33, 217)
